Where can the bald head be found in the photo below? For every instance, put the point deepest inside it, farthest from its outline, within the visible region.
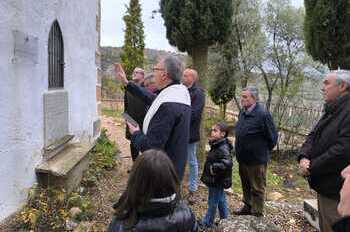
(190, 76)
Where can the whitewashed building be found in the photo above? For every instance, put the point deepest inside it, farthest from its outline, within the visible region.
(49, 59)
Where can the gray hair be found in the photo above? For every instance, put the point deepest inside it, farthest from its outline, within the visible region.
(253, 91)
(174, 67)
(150, 77)
(342, 76)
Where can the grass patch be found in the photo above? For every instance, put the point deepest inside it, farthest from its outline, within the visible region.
(111, 113)
(47, 209)
(273, 180)
(102, 158)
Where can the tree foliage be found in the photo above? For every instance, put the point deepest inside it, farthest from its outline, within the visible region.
(232, 63)
(222, 88)
(284, 58)
(327, 32)
(192, 26)
(133, 49)
(248, 37)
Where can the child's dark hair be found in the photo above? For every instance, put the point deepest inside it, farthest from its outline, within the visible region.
(223, 127)
(152, 176)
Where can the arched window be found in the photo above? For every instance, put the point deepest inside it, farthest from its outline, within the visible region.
(56, 57)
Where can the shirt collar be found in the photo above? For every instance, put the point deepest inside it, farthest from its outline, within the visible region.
(251, 108)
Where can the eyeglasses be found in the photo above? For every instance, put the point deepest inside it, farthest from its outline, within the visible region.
(159, 69)
(139, 72)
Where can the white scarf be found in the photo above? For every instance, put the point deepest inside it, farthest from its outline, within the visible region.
(175, 93)
(164, 200)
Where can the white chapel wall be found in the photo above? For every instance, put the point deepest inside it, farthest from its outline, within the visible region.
(24, 80)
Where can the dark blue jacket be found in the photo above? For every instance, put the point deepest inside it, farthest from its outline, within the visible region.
(197, 105)
(168, 130)
(256, 136)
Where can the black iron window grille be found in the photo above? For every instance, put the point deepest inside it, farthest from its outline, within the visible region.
(56, 57)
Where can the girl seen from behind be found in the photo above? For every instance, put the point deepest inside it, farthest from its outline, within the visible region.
(152, 200)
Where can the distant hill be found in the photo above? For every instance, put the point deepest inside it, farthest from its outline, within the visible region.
(110, 55)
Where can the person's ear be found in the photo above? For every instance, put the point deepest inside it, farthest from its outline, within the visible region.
(343, 87)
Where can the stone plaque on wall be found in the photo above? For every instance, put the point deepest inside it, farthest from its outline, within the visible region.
(25, 48)
(56, 124)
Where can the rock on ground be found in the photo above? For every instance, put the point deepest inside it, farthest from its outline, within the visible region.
(248, 224)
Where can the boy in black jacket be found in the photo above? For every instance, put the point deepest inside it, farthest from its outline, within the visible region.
(217, 173)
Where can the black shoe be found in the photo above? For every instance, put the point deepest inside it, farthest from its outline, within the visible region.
(258, 214)
(245, 210)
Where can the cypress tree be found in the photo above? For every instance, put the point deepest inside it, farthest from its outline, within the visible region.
(192, 26)
(327, 32)
(132, 55)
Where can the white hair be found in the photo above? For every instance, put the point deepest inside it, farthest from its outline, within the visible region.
(253, 91)
(342, 76)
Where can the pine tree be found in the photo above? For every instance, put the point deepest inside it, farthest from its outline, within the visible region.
(132, 55)
(327, 32)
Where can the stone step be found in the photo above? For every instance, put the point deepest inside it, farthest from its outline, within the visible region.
(56, 147)
(311, 212)
(65, 169)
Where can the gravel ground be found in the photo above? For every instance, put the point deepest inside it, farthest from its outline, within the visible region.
(287, 215)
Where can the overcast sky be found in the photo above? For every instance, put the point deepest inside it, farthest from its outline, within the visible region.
(112, 28)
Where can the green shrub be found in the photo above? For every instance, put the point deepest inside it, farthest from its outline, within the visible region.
(102, 158)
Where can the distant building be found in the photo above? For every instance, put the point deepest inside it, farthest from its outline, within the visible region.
(49, 88)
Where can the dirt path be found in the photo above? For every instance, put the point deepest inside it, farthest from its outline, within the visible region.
(114, 182)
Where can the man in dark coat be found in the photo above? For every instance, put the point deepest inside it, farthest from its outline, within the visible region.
(326, 151)
(256, 136)
(135, 107)
(167, 123)
(343, 225)
(189, 79)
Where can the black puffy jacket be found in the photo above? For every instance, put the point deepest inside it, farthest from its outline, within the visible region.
(161, 217)
(219, 160)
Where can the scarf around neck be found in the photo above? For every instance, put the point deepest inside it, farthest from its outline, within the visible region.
(177, 93)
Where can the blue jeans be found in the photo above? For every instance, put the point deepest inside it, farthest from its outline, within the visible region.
(193, 166)
(216, 199)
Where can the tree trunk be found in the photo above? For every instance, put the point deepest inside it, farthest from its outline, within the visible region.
(200, 63)
(224, 111)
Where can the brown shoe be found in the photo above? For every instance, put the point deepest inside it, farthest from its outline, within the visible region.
(191, 198)
(245, 210)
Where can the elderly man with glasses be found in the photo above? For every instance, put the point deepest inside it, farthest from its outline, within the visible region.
(167, 123)
(326, 150)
